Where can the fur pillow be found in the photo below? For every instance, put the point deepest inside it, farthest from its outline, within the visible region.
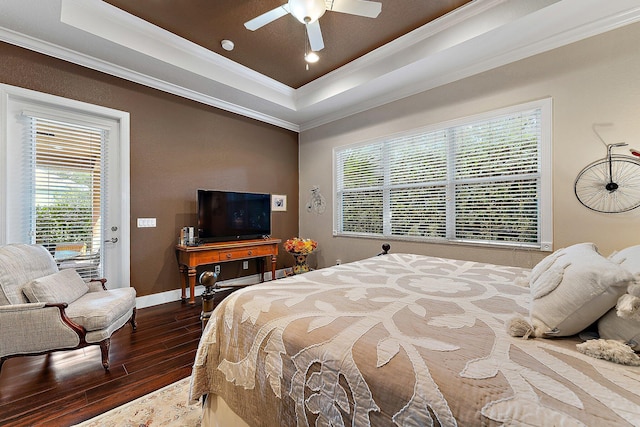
(571, 289)
(628, 306)
(63, 286)
(614, 351)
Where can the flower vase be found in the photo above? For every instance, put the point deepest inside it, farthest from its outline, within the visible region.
(301, 265)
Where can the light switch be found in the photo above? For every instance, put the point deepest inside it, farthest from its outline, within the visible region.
(146, 222)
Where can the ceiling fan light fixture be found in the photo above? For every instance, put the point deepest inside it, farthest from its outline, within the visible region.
(307, 11)
(311, 57)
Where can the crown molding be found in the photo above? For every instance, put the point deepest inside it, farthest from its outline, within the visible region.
(117, 26)
(316, 90)
(546, 29)
(476, 38)
(59, 52)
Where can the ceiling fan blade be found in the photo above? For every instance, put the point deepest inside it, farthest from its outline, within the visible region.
(370, 9)
(315, 36)
(266, 17)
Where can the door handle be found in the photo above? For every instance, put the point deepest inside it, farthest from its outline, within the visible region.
(112, 240)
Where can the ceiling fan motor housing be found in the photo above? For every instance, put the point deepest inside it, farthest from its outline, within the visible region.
(307, 11)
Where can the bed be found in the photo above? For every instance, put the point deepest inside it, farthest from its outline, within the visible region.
(399, 339)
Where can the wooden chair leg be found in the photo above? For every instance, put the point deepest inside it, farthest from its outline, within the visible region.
(133, 322)
(104, 349)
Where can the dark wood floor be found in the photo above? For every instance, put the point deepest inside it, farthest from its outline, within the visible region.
(68, 387)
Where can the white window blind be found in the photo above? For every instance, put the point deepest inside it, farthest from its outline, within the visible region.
(67, 191)
(475, 181)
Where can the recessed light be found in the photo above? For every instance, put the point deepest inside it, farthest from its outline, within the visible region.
(227, 45)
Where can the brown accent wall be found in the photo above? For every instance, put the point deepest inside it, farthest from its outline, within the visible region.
(177, 146)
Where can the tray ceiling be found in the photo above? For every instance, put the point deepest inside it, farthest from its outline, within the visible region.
(412, 46)
(277, 49)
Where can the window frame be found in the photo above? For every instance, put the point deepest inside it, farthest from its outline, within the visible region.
(545, 197)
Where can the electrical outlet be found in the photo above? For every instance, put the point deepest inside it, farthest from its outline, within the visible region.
(245, 265)
(216, 269)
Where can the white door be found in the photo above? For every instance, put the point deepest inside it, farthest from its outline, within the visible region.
(67, 182)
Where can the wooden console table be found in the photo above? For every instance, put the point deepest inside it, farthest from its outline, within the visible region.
(190, 257)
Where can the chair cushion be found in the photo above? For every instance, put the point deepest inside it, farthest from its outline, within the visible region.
(98, 310)
(573, 288)
(20, 264)
(62, 286)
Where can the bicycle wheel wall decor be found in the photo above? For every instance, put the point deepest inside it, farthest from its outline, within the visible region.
(610, 185)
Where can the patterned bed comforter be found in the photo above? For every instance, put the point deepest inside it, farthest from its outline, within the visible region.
(403, 340)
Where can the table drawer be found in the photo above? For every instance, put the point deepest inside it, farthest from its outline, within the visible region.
(231, 254)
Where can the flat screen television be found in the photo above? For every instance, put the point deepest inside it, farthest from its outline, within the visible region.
(229, 215)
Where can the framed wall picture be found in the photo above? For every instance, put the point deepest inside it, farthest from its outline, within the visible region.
(278, 202)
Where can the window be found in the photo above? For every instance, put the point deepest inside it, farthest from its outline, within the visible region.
(484, 179)
(66, 163)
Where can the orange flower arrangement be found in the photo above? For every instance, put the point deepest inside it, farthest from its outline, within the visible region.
(300, 246)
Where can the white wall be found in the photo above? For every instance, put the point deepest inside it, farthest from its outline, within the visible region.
(596, 80)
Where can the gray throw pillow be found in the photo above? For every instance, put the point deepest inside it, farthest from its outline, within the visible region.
(63, 286)
(573, 289)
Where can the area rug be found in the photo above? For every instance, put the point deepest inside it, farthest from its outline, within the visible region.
(165, 407)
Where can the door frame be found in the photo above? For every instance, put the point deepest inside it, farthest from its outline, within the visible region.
(10, 96)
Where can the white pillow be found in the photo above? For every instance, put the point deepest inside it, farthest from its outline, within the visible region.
(574, 290)
(63, 286)
(613, 327)
(629, 258)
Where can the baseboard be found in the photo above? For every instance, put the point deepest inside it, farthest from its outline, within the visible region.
(175, 295)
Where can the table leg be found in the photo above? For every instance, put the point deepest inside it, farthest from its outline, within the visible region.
(274, 258)
(192, 285)
(183, 282)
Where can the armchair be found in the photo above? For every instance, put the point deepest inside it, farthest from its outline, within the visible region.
(43, 309)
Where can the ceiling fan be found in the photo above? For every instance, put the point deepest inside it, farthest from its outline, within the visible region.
(309, 11)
